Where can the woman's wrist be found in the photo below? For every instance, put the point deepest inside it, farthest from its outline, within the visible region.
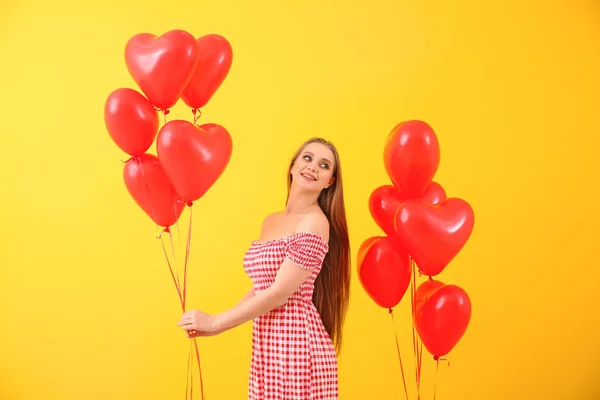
(217, 323)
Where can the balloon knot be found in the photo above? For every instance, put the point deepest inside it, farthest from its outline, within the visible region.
(166, 112)
(438, 358)
(430, 278)
(196, 117)
(390, 310)
(189, 203)
(166, 230)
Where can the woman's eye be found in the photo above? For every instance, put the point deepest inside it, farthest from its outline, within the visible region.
(326, 166)
(307, 158)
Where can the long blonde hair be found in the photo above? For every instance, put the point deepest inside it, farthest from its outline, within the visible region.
(332, 286)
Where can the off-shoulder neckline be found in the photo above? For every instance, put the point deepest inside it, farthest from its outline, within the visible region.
(301, 233)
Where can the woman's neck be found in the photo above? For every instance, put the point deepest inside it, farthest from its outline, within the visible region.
(301, 202)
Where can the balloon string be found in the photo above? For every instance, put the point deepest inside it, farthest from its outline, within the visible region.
(197, 114)
(437, 366)
(189, 375)
(419, 342)
(174, 256)
(414, 335)
(199, 369)
(187, 256)
(399, 356)
(175, 281)
(165, 112)
(420, 360)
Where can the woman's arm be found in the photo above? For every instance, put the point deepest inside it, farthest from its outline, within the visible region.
(287, 281)
(195, 333)
(248, 295)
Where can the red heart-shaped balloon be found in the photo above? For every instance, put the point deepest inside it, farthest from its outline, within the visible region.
(384, 271)
(151, 189)
(213, 66)
(162, 66)
(385, 200)
(423, 293)
(443, 318)
(131, 121)
(383, 203)
(193, 157)
(411, 157)
(434, 234)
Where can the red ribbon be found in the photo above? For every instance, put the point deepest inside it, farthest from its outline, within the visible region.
(187, 256)
(175, 281)
(196, 117)
(182, 298)
(437, 366)
(415, 336)
(399, 356)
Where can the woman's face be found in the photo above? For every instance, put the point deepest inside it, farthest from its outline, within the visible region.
(313, 169)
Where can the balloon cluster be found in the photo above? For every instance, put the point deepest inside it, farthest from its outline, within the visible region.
(424, 231)
(190, 158)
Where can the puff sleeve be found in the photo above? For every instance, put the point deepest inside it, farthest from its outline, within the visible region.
(307, 250)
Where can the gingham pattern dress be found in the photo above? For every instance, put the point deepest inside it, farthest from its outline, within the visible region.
(293, 357)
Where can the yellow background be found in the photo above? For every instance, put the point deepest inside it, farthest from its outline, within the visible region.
(87, 307)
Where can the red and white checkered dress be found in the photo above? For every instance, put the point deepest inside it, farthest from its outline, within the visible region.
(293, 357)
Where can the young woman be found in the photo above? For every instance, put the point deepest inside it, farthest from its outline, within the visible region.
(300, 269)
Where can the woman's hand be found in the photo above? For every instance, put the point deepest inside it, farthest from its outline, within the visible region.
(198, 323)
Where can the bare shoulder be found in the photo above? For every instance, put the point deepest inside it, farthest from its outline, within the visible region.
(268, 222)
(315, 222)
